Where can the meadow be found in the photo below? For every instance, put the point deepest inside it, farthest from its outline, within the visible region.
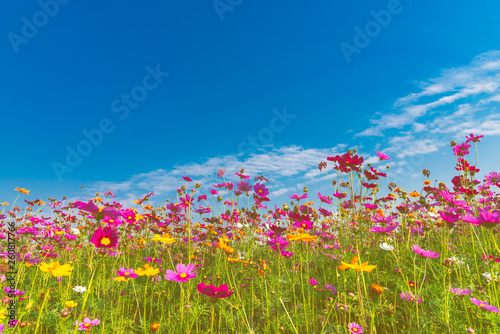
(360, 259)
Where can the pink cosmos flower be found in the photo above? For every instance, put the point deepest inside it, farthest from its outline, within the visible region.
(460, 292)
(213, 291)
(183, 274)
(474, 139)
(324, 198)
(313, 282)
(129, 273)
(484, 305)
(492, 178)
(297, 197)
(244, 186)
(99, 212)
(355, 328)
(202, 197)
(485, 218)
(378, 229)
(339, 195)
(383, 156)
(410, 297)
(461, 149)
(105, 237)
(260, 190)
(187, 178)
(424, 253)
(87, 324)
(243, 177)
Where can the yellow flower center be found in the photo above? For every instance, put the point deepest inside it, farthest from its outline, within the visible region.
(105, 241)
(481, 305)
(182, 275)
(87, 325)
(355, 330)
(127, 273)
(129, 217)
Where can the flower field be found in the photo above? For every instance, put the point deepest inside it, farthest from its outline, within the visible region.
(360, 259)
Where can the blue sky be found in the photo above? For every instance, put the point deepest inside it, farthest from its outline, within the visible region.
(181, 88)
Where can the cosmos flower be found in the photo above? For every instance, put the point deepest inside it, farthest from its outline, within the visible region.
(56, 269)
(22, 190)
(355, 328)
(105, 237)
(80, 289)
(297, 197)
(71, 304)
(127, 273)
(484, 305)
(313, 282)
(260, 190)
(460, 292)
(147, 271)
(386, 246)
(166, 239)
(355, 266)
(214, 292)
(183, 274)
(87, 324)
(410, 297)
(485, 218)
(383, 156)
(424, 253)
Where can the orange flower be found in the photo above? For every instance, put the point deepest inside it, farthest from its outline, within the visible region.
(355, 266)
(301, 237)
(24, 191)
(4, 203)
(237, 260)
(427, 182)
(376, 289)
(155, 326)
(414, 194)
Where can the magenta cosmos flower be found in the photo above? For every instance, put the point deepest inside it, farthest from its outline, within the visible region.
(485, 218)
(260, 190)
(183, 274)
(484, 305)
(424, 253)
(297, 197)
(378, 229)
(383, 156)
(126, 272)
(492, 178)
(355, 328)
(410, 297)
(87, 324)
(213, 291)
(105, 237)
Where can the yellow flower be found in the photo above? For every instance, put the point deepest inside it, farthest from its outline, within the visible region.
(166, 239)
(4, 203)
(24, 191)
(56, 269)
(2, 313)
(71, 304)
(355, 266)
(120, 279)
(301, 237)
(148, 271)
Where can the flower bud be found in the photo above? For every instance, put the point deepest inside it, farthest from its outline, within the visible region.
(376, 289)
(65, 313)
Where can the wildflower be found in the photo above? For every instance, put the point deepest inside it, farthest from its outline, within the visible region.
(412, 284)
(105, 237)
(148, 271)
(427, 182)
(324, 198)
(414, 194)
(474, 139)
(297, 197)
(383, 156)
(126, 273)
(99, 212)
(331, 288)
(410, 297)
(460, 292)
(155, 326)
(166, 239)
(71, 304)
(485, 218)
(215, 292)
(22, 190)
(278, 243)
(56, 269)
(244, 186)
(492, 178)
(355, 266)
(386, 247)
(376, 289)
(87, 324)
(313, 282)
(355, 328)
(79, 289)
(424, 253)
(187, 178)
(484, 305)
(183, 274)
(260, 190)
(301, 237)
(387, 229)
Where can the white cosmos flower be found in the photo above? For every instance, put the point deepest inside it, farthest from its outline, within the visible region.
(386, 247)
(80, 289)
(456, 260)
(488, 276)
(75, 231)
